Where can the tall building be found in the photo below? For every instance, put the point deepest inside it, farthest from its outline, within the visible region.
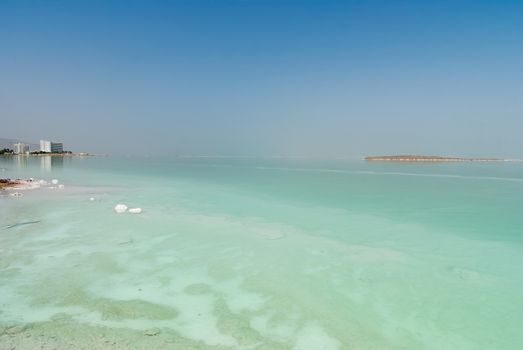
(57, 147)
(21, 148)
(51, 147)
(45, 146)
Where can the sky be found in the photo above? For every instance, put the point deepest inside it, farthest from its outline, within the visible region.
(264, 78)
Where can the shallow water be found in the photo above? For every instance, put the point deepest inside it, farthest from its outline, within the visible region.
(252, 253)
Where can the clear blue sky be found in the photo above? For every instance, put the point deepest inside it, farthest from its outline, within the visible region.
(320, 78)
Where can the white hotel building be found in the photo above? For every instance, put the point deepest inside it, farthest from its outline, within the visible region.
(45, 146)
(48, 146)
(21, 148)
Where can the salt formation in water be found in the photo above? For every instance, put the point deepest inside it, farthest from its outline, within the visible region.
(135, 210)
(54, 181)
(120, 208)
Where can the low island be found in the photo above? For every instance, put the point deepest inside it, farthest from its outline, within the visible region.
(418, 158)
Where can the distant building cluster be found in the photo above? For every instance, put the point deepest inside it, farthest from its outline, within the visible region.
(45, 147)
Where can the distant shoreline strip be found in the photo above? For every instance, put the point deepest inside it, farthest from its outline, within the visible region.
(418, 158)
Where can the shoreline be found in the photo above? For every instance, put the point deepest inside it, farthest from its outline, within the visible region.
(27, 184)
(48, 154)
(10, 184)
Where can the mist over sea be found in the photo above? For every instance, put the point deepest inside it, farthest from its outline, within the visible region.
(262, 253)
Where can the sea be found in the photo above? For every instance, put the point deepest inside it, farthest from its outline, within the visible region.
(261, 253)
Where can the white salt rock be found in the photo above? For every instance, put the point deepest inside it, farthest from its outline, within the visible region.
(91, 199)
(135, 210)
(120, 208)
(17, 194)
(61, 186)
(42, 182)
(54, 181)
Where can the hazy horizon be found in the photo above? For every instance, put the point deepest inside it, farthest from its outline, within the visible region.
(265, 78)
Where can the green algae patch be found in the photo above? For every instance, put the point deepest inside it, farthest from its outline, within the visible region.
(198, 288)
(111, 309)
(103, 262)
(238, 326)
(132, 309)
(9, 272)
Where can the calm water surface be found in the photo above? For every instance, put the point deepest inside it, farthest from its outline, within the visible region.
(254, 253)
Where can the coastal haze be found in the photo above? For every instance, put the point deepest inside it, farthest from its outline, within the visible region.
(315, 78)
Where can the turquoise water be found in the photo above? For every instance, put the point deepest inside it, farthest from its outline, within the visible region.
(260, 253)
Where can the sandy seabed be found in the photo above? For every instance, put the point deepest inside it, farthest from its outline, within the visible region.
(61, 334)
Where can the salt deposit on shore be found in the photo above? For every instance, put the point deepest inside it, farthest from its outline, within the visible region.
(26, 184)
(18, 184)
